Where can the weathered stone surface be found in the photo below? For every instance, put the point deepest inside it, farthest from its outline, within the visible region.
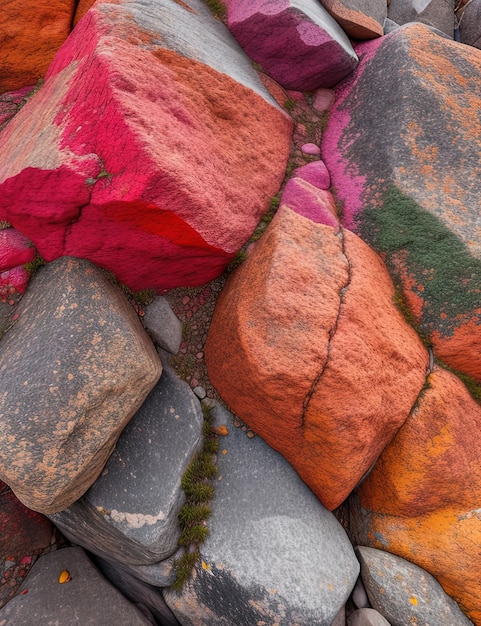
(11, 102)
(366, 617)
(470, 24)
(436, 13)
(75, 367)
(315, 173)
(88, 598)
(15, 249)
(400, 186)
(421, 500)
(163, 170)
(404, 593)
(30, 35)
(273, 555)
(340, 619)
(163, 325)
(306, 346)
(82, 7)
(359, 595)
(308, 200)
(129, 515)
(296, 42)
(361, 19)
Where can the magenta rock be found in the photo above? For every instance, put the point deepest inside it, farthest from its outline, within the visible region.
(296, 42)
(13, 282)
(311, 148)
(15, 249)
(305, 199)
(315, 173)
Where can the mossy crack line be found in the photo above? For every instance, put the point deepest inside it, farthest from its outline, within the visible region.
(332, 331)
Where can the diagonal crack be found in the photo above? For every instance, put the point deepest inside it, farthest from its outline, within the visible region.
(332, 331)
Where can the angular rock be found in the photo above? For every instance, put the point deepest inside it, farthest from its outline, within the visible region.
(163, 325)
(129, 516)
(30, 36)
(75, 367)
(400, 186)
(404, 593)
(389, 26)
(436, 13)
(307, 347)
(87, 599)
(361, 19)
(421, 500)
(162, 171)
(315, 173)
(273, 555)
(366, 617)
(308, 200)
(470, 24)
(296, 42)
(15, 249)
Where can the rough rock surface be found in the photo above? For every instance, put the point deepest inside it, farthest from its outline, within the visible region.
(87, 599)
(436, 13)
(15, 249)
(160, 173)
(75, 367)
(306, 345)
(399, 183)
(470, 24)
(163, 325)
(296, 42)
(129, 515)
(367, 617)
(405, 593)
(361, 19)
(11, 102)
(274, 553)
(30, 35)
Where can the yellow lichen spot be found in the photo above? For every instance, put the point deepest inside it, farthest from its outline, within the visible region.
(205, 566)
(221, 430)
(64, 577)
(413, 601)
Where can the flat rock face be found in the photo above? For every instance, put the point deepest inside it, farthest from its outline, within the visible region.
(296, 42)
(129, 515)
(399, 183)
(361, 19)
(405, 593)
(75, 367)
(88, 598)
(436, 13)
(421, 500)
(470, 24)
(163, 170)
(306, 347)
(30, 36)
(263, 518)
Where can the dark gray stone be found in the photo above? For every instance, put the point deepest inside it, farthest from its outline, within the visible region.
(405, 593)
(163, 325)
(274, 553)
(88, 599)
(470, 24)
(129, 516)
(366, 617)
(436, 13)
(75, 367)
(389, 26)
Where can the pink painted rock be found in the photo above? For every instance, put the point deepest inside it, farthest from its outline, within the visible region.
(163, 170)
(307, 347)
(361, 19)
(308, 200)
(315, 173)
(11, 102)
(15, 249)
(399, 184)
(296, 42)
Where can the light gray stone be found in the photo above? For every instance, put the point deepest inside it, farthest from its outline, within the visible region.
(75, 367)
(389, 26)
(359, 595)
(87, 599)
(274, 553)
(366, 617)
(405, 593)
(163, 325)
(436, 13)
(470, 24)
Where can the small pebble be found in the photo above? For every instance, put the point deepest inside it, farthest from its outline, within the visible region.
(311, 148)
(200, 392)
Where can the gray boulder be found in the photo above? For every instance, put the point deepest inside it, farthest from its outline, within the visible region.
(366, 617)
(163, 325)
(75, 367)
(436, 13)
(470, 24)
(274, 553)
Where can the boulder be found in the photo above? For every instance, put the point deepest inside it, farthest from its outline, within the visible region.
(87, 598)
(361, 19)
(75, 367)
(162, 171)
(30, 36)
(15, 249)
(436, 13)
(404, 593)
(296, 42)
(274, 554)
(163, 325)
(470, 24)
(399, 184)
(307, 347)
(367, 617)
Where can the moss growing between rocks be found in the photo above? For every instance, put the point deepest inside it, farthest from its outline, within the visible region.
(217, 8)
(32, 266)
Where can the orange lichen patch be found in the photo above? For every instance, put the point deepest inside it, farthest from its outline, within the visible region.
(462, 350)
(356, 24)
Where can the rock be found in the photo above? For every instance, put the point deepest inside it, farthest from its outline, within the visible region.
(361, 19)
(340, 619)
(470, 24)
(31, 35)
(11, 102)
(129, 516)
(306, 345)
(399, 184)
(15, 249)
(390, 26)
(315, 173)
(366, 617)
(76, 365)
(163, 325)
(13, 283)
(405, 593)
(308, 200)
(82, 7)
(87, 599)
(296, 42)
(436, 13)
(421, 500)
(264, 518)
(162, 172)
(359, 595)
(323, 99)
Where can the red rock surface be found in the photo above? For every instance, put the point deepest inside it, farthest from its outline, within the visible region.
(15, 249)
(361, 19)
(30, 35)
(82, 7)
(162, 171)
(307, 347)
